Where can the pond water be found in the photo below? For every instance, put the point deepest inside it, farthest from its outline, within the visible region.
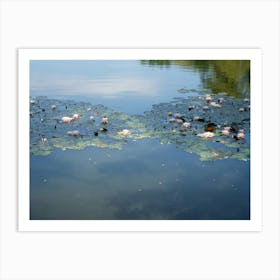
(165, 153)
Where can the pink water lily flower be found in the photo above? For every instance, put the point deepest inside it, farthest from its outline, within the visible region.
(75, 117)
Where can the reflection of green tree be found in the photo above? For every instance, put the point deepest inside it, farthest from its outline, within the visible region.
(159, 63)
(230, 76)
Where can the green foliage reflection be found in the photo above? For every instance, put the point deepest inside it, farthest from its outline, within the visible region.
(230, 76)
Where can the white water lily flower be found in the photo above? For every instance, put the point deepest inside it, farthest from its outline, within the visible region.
(105, 120)
(207, 134)
(66, 119)
(225, 132)
(208, 97)
(241, 134)
(215, 105)
(186, 124)
(125, 132)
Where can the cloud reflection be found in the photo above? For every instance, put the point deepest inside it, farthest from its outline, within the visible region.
(109, 87)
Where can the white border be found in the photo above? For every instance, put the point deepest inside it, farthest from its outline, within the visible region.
(24, 57)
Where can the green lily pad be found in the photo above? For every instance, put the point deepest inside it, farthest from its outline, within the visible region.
(164, 122)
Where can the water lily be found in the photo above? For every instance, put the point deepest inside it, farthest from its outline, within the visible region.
(208, 98)
(241, 134)
(207, 134)
(186, 124)
(215, 105)
(75, 117)
(225, 132)
(125, 132)
(105, 120)
(66, 119)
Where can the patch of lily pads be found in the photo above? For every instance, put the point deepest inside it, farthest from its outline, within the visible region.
(211, 126)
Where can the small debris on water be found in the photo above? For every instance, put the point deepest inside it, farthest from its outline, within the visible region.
(198, 119)
(73, 133)
(221, 100)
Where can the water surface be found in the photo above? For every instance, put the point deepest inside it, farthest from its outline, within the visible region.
(151, 178)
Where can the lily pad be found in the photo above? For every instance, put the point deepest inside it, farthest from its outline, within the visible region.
(164, 122)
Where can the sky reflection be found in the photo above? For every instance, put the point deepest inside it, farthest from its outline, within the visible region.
(135, 85)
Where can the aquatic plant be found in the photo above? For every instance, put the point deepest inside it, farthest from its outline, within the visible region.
(216, 133)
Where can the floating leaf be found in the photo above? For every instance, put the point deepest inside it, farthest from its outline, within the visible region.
(164, 122)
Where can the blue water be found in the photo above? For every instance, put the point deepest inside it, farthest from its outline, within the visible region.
(121, 85)
(144, 180)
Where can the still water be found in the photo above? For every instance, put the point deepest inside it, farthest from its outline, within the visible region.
(159, 176)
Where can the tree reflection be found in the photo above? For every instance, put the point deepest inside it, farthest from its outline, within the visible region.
(230, 76)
